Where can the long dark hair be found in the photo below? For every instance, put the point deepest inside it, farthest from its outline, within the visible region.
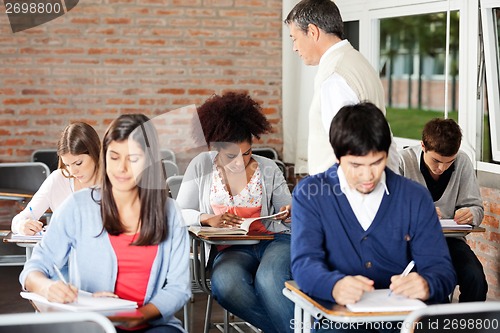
(151, 182)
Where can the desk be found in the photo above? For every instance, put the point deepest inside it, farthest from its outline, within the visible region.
(13, 194)
(29, 244)
(117, 317)
(307, 307)
(199, 258)
(461, 232)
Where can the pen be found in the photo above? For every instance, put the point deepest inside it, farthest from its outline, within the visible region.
(59, 274)
(406, 271)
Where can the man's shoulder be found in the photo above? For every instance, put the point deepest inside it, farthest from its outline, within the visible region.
(320, 180)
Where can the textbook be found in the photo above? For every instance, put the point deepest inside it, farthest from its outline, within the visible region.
(241, 230)
(451, 224)
(85, 302)
(380, 300)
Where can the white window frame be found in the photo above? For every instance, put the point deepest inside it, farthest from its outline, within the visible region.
(492, 77)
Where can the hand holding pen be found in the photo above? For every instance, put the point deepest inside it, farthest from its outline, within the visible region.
(61, 291)
(410, 284)
(31, 226)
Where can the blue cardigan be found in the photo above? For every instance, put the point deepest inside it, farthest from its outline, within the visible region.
(328, 242)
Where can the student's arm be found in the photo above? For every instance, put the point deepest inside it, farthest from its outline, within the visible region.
(309, 266)
(174, 288)
(54, 291)
(469, 203)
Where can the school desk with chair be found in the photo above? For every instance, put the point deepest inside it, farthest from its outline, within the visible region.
(201, 275)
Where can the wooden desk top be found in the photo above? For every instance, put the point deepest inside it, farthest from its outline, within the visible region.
(249, 236)
(9, 239)
(332, 309)
(13, 194)
(462, 232)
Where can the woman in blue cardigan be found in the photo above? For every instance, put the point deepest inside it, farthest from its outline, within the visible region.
(125, 239)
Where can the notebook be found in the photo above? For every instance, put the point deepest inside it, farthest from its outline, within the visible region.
(451, 224)
(241, 230)
(380, 301)
(86, 302)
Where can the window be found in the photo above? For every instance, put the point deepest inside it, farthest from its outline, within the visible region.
(413, 50)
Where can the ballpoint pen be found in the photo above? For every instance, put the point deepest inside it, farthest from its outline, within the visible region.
(59, 274)
(406, 272)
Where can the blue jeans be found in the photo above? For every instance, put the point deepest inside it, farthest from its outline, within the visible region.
(247, 280)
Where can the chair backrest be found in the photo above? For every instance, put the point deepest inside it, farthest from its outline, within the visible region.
(174, 184)
(268, 152)
(475, 317)
(171, 168)
(167, 154)
(22, 178)
(47, 156)
(282, 167)
(56, 322)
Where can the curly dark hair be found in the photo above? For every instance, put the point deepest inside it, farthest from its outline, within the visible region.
(232, 117)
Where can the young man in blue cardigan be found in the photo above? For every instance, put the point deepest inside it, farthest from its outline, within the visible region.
(358, 224)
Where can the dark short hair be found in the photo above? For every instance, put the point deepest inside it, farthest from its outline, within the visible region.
(78, 138)
(232, 117)
(322, 13)
(442, 136)
(358, 130)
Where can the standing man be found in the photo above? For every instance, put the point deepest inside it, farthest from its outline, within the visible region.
(344, 76)
(358, 225)
(449, 176)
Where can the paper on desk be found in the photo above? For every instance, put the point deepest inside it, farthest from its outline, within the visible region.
(380, 301)
(451, 224)
(85, 302)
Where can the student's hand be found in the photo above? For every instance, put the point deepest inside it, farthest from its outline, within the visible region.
(30, 227)
(412, 286)
(349, 289)
(222, 221)
(104, 294)
(438, 211)
(59, 292)
(463, 216)
(287, 212)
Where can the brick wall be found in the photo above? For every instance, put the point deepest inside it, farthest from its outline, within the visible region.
(104, 58)
(486, 245)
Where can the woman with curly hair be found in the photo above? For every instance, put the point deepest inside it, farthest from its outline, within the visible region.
(223, 186)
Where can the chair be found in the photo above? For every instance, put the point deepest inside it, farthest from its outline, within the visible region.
(47, 156)
(56, 322)
(468, 317)
(174, 184)
(168, 154)
(282, 167)
(268, 152)
(171, 168)
(19, 181)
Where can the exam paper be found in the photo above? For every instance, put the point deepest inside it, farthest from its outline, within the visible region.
(380, 301)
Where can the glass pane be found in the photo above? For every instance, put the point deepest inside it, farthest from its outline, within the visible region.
(486, 148)
(412, 55)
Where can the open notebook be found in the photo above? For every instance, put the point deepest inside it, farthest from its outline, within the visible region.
(451, 224)
(86, 302)
(241, 230)
(380, 301)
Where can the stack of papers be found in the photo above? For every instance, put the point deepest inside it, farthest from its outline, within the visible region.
(381, 301)
(19, 237)
(86, 302)
(451, 224)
